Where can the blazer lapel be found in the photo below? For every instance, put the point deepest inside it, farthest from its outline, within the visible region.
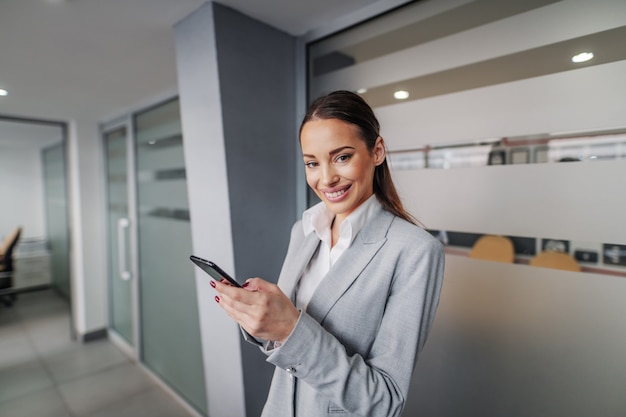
(350, 265)
(294, 265)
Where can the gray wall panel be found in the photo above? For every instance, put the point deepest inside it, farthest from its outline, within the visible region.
(256, 65)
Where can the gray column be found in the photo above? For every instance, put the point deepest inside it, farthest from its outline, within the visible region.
(237, 91)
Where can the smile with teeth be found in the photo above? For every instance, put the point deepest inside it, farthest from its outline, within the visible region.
(336, 194)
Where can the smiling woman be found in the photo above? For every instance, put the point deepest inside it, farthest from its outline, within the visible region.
(359, 286)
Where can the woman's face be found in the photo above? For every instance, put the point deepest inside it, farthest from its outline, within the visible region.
(339, 167)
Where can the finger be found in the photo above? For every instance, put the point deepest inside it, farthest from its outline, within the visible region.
(231, 308)
(252, 284)
(237, 298)
(224, 287)
(259, 284)
(224, 302)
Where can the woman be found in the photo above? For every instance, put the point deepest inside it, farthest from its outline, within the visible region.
(360, 283)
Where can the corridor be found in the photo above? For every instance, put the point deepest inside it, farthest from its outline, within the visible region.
(43, 373)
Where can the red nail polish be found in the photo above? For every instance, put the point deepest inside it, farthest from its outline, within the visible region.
(217, 299)
(212, 284)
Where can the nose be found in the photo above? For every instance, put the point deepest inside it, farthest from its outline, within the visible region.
(329, 175)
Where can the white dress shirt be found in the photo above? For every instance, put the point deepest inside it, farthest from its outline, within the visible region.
(318, 219)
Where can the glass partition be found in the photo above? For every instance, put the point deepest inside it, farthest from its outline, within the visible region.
(458, 86)
(483, 105)
(424, 50)
(171, 345)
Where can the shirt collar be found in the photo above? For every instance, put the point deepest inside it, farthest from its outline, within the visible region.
(318, 218)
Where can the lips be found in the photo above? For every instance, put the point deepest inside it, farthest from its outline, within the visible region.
(336, 194)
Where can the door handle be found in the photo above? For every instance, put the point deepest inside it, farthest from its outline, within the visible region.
(122, 226)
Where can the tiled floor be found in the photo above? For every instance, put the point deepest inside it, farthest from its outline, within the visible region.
(43, 373)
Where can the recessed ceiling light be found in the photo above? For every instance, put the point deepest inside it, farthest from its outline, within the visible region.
(582, 57)
(401, 94)
(361, 91)
(3, 92)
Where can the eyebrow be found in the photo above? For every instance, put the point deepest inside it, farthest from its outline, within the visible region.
(331, 153)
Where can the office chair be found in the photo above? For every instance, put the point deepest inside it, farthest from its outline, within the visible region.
(493, 248)
(556, 260)
(6, 266)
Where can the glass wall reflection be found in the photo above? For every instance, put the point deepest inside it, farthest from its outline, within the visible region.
(460, 85)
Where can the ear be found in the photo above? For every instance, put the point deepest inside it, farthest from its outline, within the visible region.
(379, 151)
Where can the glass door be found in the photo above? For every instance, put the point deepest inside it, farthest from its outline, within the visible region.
(121, 303)
(170, 329)
(153, 302)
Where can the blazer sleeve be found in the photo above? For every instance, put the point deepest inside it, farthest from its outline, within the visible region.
(373, 382)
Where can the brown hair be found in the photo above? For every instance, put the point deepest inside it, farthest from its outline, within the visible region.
(351, 108)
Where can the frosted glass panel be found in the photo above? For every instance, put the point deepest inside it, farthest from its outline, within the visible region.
(508, 339)
(117, 187)
(171, 345)
(56, 217)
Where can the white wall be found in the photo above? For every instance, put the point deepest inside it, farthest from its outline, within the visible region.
(87, 227)
(21, 191)
(205, 162)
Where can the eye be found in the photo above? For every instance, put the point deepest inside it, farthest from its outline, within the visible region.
(310, 164)
(343, 157)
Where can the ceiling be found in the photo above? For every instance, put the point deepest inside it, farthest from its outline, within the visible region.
(92, 59)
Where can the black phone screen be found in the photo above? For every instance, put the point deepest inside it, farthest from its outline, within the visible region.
(213, 270)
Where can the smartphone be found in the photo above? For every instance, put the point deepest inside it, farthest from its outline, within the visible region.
(213, 270)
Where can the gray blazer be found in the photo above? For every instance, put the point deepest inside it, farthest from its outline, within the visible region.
(353, 350)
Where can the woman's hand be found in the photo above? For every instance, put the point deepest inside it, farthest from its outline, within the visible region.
(261, 308)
